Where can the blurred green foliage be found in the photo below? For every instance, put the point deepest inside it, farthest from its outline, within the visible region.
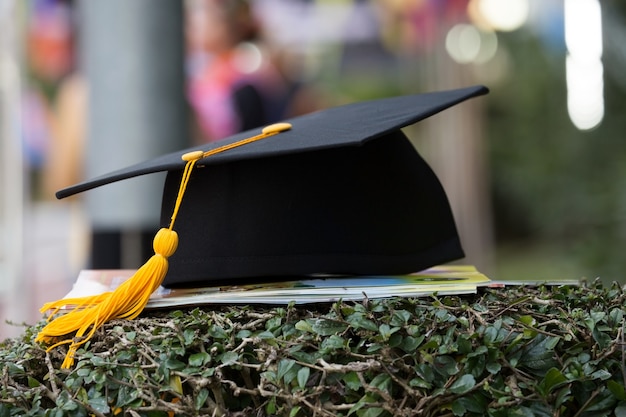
(553, 184)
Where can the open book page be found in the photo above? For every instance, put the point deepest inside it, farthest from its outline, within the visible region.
(445, 279)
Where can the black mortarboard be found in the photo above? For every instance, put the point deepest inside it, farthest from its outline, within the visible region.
(342, 192)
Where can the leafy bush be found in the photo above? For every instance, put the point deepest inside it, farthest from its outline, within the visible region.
(540, 351)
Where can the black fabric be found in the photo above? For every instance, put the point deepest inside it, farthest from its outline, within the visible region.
(105, 250)
(250, 106)
(373, 209)
(109, 248)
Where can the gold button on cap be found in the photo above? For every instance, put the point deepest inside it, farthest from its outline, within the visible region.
(190, 156)
(276, 128)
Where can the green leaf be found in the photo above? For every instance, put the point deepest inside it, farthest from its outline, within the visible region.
(602, 339)
(273, 323)
(527, 320)
(228, 358)
(189, 336)
(400, 318)
(327, 327)
(241, 334)
(551, 380)
(33, 383)
(125, 396)
(352, 381)
(98, 361)
(539, 354)
(373, 412)
(270, 376)
(99, 377)
(494, 334)
(174, 364)
(199, 359)
(458, 409)
(265, 335)
(200, 398)
(270, 408)
(217, 332)
(65, 403)
(420, 383)
(284, 365)
(480, 350)
(306, 357)
(100, 404)
(615, 317)
(386, 331)
(303, 376)
(597, 316)
(464, 345)
(304, 326)
(562, 397)
(332, 343)
(382, 382)
(294, 411)
(410, 344)
(463, 384)
(358, 321)
(395, 340)
(601, 374)
(617, 389)
(446, 365)
(493, 367)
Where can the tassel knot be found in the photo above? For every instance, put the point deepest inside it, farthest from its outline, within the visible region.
(165, 242)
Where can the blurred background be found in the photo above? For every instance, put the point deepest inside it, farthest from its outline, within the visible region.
(535, 171)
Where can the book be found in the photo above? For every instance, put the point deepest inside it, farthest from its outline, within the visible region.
(441, 280)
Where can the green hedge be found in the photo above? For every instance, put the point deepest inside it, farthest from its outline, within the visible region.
(544, 351)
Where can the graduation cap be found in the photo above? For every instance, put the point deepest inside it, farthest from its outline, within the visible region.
(338, 191)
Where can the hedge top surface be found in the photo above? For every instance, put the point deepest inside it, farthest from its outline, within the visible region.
(514, 351)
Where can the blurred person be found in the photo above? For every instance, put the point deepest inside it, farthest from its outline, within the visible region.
(233, 84)
(49, 52)
(52, 44)
(64, 159)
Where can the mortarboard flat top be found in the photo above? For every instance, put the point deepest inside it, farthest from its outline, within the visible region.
(342, 192)
(348, 125)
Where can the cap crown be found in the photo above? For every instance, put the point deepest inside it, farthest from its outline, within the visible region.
(373, 209)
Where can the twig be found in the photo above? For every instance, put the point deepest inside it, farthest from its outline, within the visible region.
(51, 372)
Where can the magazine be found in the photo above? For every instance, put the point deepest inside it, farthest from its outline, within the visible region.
(442, 280)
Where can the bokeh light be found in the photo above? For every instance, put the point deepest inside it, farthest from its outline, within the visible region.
(584, 69)
(465, 43)
(502, 15)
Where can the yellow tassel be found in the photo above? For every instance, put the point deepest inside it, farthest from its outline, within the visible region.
(129, 299)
